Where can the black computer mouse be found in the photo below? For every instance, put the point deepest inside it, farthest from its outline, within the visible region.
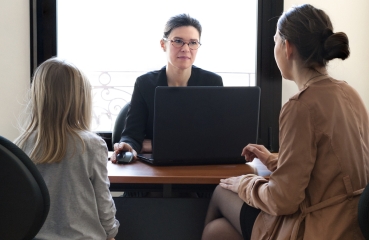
(125, 157)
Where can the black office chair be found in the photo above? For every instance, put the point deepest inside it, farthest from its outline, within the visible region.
(363, 212)
(120, 123)
(24, 197)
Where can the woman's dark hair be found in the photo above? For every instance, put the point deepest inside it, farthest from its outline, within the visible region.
(181, 20)
(311, 31)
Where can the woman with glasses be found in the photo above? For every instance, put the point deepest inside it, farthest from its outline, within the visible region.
(180, 43)
(322, 166)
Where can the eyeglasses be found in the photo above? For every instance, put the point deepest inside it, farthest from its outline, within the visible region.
(178, 43)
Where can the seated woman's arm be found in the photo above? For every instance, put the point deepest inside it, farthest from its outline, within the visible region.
(285, 190)
(136, 121)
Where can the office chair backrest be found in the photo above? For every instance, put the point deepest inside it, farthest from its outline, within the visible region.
(120, 123)
(363, 212)
(24, 197)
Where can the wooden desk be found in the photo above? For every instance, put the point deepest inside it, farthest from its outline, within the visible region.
(169, 216)
(139, 172)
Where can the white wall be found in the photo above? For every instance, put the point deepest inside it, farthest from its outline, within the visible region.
(14, 63)
(350, 17)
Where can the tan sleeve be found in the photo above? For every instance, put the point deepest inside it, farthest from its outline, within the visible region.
(246, 188)
(272, 162)
(285, 190)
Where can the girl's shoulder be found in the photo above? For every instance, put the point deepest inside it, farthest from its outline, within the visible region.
(90, 137)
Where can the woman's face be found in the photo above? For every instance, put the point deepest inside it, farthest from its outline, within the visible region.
(279, 54)
(181, 57)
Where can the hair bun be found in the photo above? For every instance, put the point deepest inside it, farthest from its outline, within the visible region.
(336, 46)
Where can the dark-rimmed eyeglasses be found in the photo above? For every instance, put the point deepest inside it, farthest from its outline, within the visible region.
(178, 43)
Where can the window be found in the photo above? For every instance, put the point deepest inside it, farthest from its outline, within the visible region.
(115, 41)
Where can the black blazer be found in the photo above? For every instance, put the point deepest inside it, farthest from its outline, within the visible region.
(140, 116)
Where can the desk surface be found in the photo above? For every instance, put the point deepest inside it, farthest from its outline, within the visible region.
(139, 172)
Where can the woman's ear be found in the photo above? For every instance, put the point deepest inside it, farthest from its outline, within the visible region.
(289, 49)
(162, 44)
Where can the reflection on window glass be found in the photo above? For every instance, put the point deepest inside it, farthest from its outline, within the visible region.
(115, 41)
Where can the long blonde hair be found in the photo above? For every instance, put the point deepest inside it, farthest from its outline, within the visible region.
(60, 106)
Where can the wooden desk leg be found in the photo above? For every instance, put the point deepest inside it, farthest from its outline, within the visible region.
(167, 190)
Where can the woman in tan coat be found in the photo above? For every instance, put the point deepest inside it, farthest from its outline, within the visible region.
(323, 163)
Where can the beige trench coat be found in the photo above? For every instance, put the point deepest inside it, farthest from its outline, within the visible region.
(322, 168)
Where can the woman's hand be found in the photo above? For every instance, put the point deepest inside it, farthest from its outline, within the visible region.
(231, 183)
(122, 147)
(252, 151)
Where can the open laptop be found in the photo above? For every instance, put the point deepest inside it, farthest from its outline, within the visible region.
(203, 125)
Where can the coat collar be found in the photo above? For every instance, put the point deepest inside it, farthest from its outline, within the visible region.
(318, 79)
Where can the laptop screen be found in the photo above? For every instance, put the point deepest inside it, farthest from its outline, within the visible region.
(204, 125)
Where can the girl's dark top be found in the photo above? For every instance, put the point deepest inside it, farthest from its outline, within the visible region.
(140, 116)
